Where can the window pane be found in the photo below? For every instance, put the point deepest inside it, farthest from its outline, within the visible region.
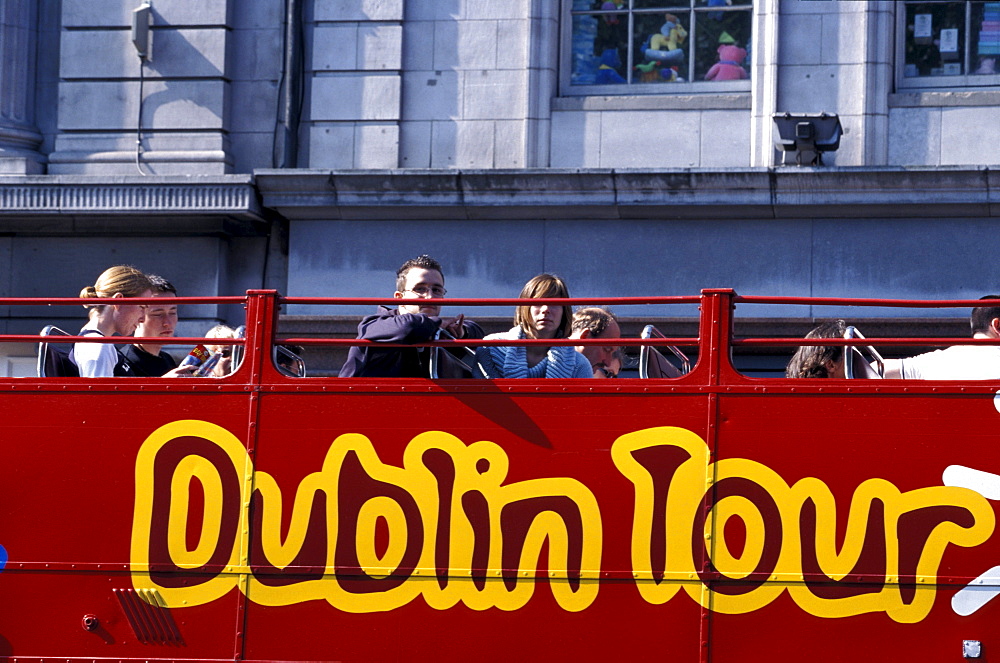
(661, 48)
(986, 43)
(722, 45)
(659, 41)
(600, 42)
(935, 39)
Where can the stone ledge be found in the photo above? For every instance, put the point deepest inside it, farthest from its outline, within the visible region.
(745, 193)
(944, 99)
(706, 101)
(62, 194)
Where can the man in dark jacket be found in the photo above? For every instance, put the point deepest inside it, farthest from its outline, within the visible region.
(419, 281)
(147, 360)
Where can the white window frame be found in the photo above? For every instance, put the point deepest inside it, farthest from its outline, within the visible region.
(964, 81)
(567, 89)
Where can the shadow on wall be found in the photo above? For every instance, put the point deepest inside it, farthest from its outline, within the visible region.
(183, 91)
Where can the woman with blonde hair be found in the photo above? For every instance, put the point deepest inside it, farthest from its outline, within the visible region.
(539, 322)
(109, 316)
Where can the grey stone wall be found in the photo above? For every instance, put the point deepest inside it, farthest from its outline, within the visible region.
(878, 233)
(354, 84)
(442, 84)
(254, 68)
(478, 80)
(185, 98)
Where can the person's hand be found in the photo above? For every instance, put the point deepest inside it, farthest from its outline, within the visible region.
(223, 368)
(181, 372)
(454, 326)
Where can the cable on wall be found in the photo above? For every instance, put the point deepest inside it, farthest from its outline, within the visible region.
(142, 39)
(138, 119)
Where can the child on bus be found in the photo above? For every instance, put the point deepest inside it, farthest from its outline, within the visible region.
(538, 322)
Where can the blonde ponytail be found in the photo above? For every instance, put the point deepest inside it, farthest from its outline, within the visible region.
(124, 279)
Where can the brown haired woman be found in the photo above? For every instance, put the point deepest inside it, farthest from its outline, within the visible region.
(819, 361)
(539, 322)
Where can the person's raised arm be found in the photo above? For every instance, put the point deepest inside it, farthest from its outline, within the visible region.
(399, 328)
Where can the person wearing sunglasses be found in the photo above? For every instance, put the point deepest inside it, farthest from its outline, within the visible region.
(419, 287)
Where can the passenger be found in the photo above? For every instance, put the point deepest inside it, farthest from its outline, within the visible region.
(538, 322)
(419, 281)
(113, 316)
(225, 364)
(819, 361)
(958, 362)
(596, 322)
(158, 320)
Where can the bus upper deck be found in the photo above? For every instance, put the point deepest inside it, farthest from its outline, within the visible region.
(712, 516)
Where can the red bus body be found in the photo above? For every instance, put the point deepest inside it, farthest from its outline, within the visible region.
(713, 517)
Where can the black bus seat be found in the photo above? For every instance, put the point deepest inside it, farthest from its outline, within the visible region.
(444, 365)
(653, 364)
(856, 365)
(53, 358)
(860, 368)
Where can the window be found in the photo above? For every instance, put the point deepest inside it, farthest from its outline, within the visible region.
(950, 44)
(642, 46)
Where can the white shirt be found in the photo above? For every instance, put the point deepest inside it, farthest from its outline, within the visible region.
(959, 362)
(95, 360)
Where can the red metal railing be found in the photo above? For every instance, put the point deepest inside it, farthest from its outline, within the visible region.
(715, 339)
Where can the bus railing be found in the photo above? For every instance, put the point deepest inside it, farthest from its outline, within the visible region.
(715, 341)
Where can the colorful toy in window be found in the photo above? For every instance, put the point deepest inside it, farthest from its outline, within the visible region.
(665, 46)
(648, 72)
(730, 64)
(651, 72)
(608, 71)
(718, 16)
(611, 5)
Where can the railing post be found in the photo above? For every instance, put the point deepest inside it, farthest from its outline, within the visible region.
(262, 320)
(717, 333)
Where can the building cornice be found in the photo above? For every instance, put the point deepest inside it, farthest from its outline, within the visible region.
(751, 193)
(60, 203)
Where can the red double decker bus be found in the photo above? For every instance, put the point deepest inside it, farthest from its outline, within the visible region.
(713, 516)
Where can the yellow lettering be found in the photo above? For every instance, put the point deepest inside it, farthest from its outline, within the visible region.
(363, 535)
(790, 533)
